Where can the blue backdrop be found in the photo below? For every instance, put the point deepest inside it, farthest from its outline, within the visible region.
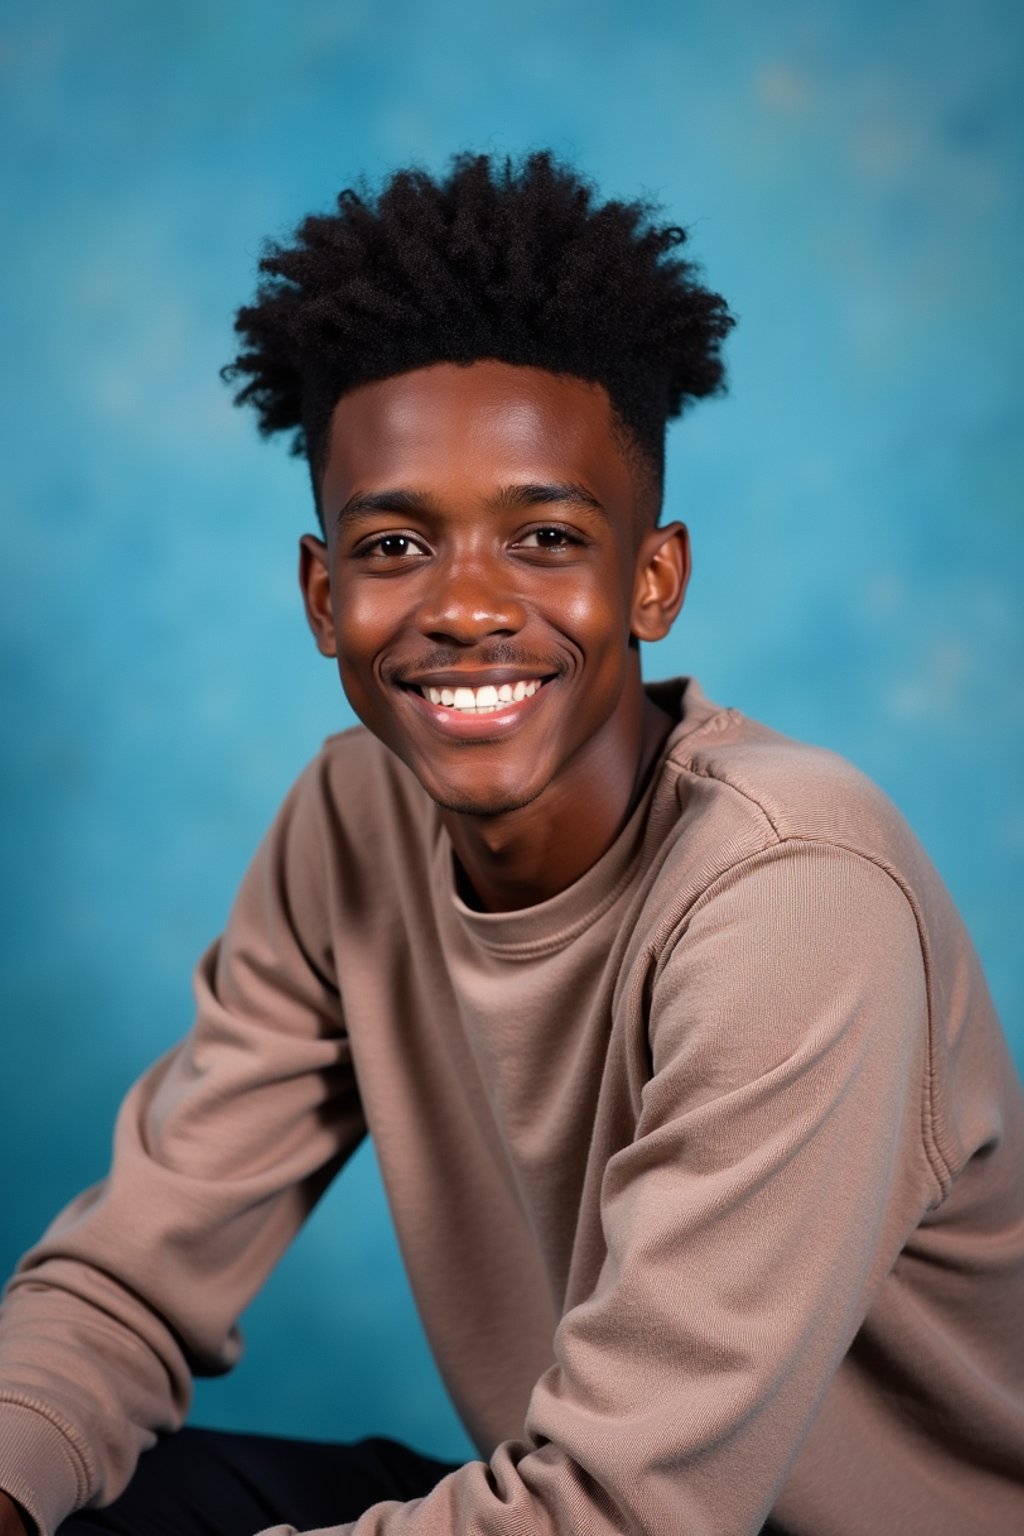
(850, 174)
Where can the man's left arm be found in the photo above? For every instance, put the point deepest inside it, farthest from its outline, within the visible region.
(775, 1172)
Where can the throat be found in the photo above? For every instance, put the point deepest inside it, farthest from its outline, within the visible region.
(518, 859)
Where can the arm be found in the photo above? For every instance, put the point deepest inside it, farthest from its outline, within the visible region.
(774, 1174)
(221, 1150)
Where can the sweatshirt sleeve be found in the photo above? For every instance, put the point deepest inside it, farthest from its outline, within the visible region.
(775, 1172)
(220, 1152)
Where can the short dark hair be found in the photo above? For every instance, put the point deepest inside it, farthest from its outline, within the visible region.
(516, 262)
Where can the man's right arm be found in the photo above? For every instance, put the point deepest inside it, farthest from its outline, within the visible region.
(221, 1151)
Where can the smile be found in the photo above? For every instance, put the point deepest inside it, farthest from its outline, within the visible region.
(482, 701)
(476, 714)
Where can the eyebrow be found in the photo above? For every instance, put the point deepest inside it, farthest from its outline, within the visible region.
(366, 503)
(550, 493)
(509, 498)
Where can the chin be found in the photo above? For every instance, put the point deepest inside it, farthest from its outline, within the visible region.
(491, 801)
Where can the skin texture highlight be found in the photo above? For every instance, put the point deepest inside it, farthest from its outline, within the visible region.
(482, 528)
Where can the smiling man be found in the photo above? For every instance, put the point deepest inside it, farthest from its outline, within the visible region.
(701, 1139)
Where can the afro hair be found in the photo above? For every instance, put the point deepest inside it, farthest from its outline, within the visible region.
(519, 263)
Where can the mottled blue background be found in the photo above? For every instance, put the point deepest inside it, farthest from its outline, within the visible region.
(850, 172)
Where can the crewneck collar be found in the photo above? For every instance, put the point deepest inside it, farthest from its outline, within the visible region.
(552, 924)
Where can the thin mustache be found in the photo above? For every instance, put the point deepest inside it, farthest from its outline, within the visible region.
(497, 655)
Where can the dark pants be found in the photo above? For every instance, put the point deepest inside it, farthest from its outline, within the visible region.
(206, 1482)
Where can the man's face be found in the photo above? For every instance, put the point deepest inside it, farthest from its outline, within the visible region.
(479, 583)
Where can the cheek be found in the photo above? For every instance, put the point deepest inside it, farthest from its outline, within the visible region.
(596, 615)
(362, 617)
(357, 639)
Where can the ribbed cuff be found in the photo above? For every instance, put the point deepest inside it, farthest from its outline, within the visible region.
(39, 1467)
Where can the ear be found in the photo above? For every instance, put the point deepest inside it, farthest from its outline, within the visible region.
(662, 572)
(315, 581)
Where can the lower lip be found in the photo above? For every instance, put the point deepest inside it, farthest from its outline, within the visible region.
(466, 727)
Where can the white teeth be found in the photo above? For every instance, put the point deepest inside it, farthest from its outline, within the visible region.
(482, 701)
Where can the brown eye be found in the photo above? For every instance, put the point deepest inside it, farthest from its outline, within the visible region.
(394, 544)
(548, 538)
(389, 546)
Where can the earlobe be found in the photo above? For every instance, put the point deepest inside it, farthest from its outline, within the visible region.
(662, 573)
(315, 581)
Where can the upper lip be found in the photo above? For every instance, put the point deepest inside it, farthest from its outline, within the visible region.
(495, 677)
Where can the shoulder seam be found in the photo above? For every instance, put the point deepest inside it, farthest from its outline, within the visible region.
(704, 773)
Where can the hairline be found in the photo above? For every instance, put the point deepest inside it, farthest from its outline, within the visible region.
(646, 475)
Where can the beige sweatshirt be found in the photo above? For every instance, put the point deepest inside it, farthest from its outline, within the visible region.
(707, 1172)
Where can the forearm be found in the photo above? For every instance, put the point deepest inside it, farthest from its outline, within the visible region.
(84, 1386)
(133, 1288)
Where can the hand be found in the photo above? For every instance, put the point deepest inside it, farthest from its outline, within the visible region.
(11, 1520)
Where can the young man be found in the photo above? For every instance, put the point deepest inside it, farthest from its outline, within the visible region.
(702, 1142)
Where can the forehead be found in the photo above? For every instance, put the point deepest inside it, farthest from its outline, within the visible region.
(468, 430)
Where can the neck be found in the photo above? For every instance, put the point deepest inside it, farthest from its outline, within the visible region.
(530, 854)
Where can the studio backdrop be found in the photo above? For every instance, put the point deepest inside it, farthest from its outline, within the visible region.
(848, 172)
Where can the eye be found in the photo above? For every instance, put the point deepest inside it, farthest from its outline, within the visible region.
(549, 537)
(389, 546)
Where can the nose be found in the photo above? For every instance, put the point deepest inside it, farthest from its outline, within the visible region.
(469, 600)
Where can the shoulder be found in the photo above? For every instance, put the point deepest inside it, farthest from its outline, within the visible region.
(742, 810)
(770, 789)
(352, 828)
(359, 786)
(354, 812)
(783, 922)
